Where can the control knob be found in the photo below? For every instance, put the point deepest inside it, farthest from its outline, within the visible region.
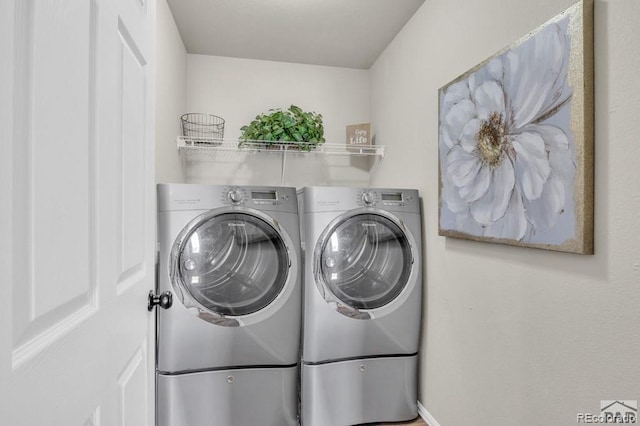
(368, 198)
(234, 196)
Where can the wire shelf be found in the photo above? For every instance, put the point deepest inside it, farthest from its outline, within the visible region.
(235, 145)
(339, 158)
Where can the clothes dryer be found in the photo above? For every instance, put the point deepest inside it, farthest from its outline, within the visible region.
(228, 347)
(362, 305)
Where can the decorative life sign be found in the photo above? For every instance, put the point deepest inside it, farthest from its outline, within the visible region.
(358, 135)
(516, 141)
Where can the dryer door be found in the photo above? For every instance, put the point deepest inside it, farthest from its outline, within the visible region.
(228, 265)
(364, 261)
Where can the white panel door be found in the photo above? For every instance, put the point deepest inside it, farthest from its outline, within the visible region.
(77, 215)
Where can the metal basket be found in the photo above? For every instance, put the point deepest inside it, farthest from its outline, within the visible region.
(203, 129)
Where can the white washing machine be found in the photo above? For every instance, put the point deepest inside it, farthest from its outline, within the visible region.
(228, 345)
(362, 305)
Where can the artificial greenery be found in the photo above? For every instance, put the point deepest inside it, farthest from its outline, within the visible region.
(305, 129)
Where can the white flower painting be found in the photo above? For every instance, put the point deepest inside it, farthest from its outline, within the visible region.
(508, 153)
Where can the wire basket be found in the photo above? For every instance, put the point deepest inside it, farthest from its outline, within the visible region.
(202, 129)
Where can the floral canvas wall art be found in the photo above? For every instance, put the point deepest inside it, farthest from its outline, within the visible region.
(516, 141)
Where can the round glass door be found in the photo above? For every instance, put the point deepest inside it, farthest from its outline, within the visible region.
(365, 261)
(233, 264)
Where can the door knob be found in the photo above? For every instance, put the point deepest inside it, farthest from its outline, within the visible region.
(164, 300)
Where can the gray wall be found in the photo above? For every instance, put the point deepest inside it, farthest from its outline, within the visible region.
(239, 89)
(517, 336)
(171, 95)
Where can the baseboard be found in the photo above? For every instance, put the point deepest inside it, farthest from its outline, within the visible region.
(426, 416)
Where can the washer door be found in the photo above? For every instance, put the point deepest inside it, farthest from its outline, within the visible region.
(365, 261)
(229, 264)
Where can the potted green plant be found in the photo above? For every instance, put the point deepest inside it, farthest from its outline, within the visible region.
(304, 129)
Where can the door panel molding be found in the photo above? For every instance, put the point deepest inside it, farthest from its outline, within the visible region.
(133, 175)
(132, 388)
(42, 314)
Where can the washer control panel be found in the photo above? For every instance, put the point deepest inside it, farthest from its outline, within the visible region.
(384, 198)
(178, 197)
(256, 197)
(342, 199)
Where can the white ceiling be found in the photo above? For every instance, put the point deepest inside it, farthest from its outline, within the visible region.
(341, 33)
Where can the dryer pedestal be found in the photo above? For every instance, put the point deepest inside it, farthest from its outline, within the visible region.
(241, 396)
(367, 390)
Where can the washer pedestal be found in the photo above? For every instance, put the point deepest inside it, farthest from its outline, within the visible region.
(242, 396)
(367, 390)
